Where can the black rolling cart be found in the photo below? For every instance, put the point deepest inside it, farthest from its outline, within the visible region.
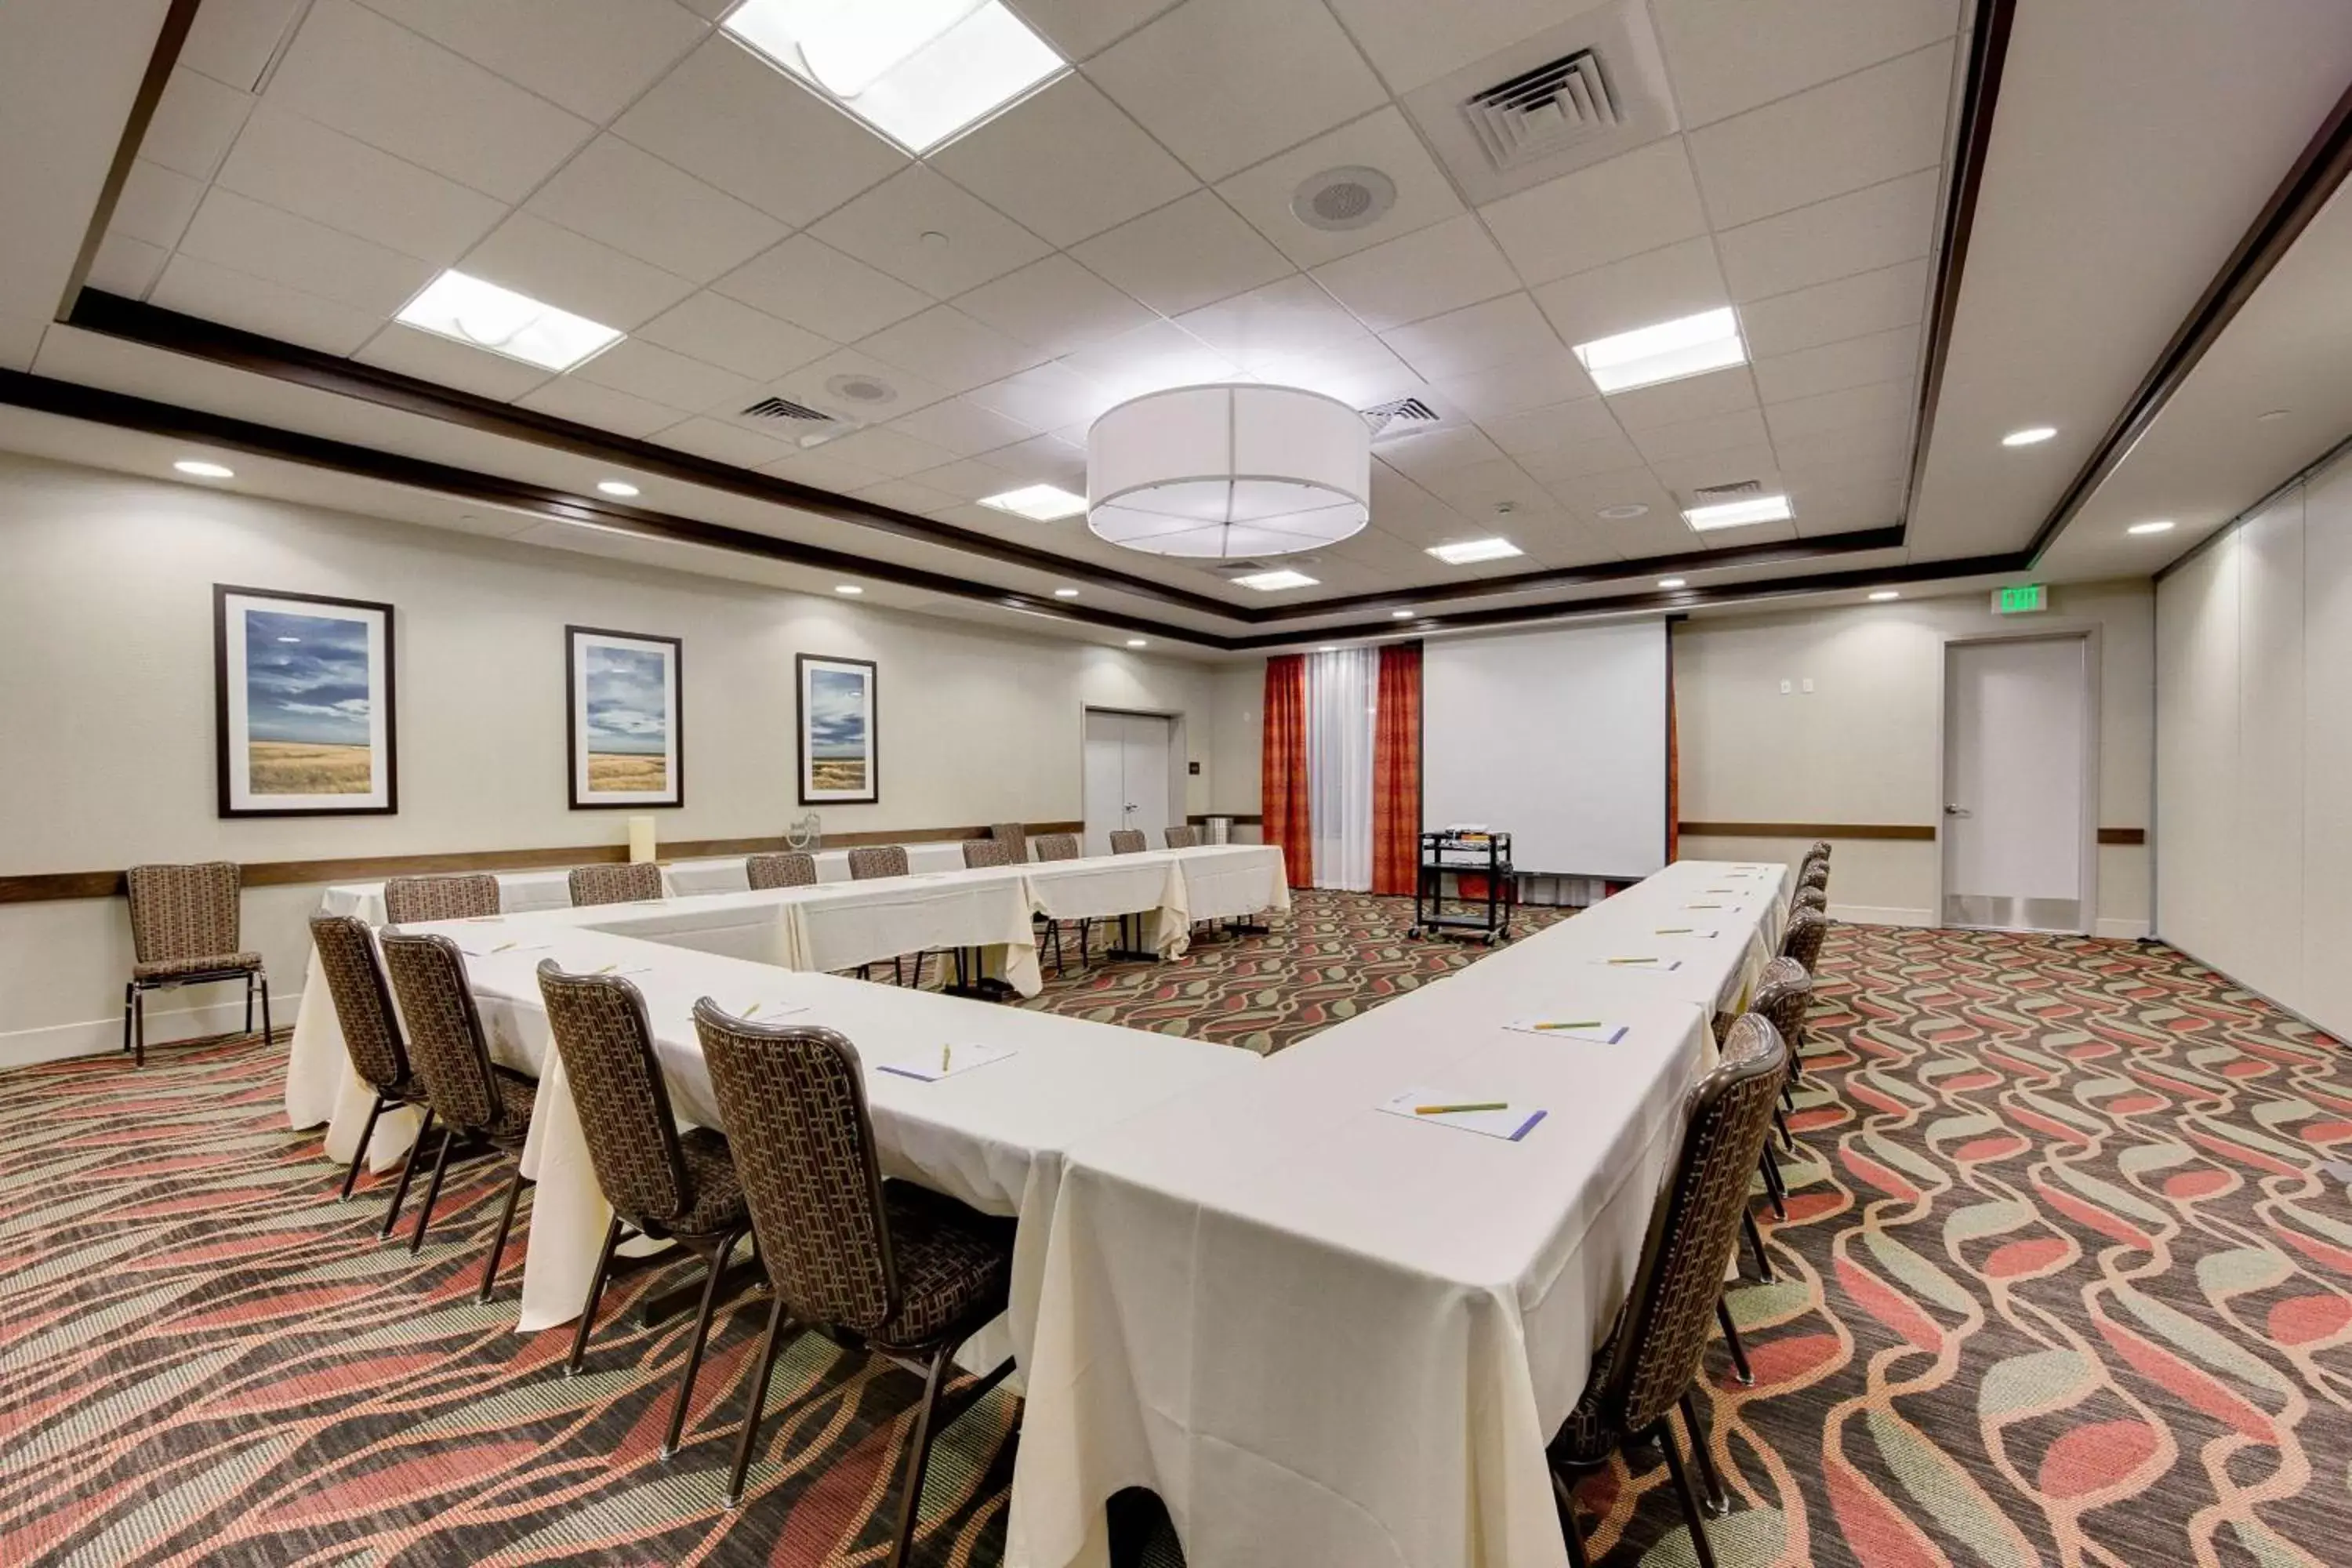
(1459, 854)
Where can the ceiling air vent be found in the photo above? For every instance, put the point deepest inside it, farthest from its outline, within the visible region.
(1542, 112)
(1732, 491)
(785, 408)
(1398, 417)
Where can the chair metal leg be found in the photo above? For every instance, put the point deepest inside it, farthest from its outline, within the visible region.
(920, 1457)
(595, 1293)
(1788, 1139)
(1718, 1501)
(139, 1026)
(758, 1406)
(408, 1170)
(1694, 1517)
(268, 1031)
(499, 1242)
(433, 1190)
(1564, 1499)
(359, 1155)
(1774, 1188)
(1731, 1338)
(694, 1346)
(130, 988)
(1756, 1241)
(248, 1001)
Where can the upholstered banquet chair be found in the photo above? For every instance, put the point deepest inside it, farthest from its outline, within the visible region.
(782, 868)
(371, 1038)
(1063, 846)
(979, 853)
(1802, 940)
(1127, 841)
(184, 931)
(1816, 874)
(870, 861)
(615, 882)
(1014, 837)
(411, 901)
(659, 1182)
(1186, 837)
(1059, 847)
(1645, 1371)
(912, 1273)
(484, 1106)
(1782, 993)
(1810, 898)
(1819, 850)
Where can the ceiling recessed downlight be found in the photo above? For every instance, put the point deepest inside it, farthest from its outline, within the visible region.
(1740, 514)
(617, 487)
(2032, 435)
(1673, 582)
(482, 315)
(197, 468)
(916, 70)
(1883, 595)
(1401, 614)
(850, 588)
(1276, 581)
(1040, 503)
(1668, 351)
(1621, 513)
(1137, 642)
(1469, 551)
(2163, 525)
(1066, 593)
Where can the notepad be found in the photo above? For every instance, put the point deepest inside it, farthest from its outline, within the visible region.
(500, 949)
(1599, 1032)
(947, 1062)
(1703, 933)
(1645, 963)
(1510, 1124)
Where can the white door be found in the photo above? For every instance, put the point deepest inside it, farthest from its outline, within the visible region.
(2016, 830)
(1127, 761)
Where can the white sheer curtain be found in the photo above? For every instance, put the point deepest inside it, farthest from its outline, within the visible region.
(1342, 689)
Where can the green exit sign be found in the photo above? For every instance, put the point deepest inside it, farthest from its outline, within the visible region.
(2022, 600)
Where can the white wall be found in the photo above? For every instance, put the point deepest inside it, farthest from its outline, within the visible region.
(2254, 742)
(106, 704)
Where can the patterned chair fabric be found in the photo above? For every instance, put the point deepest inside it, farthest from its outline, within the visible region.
(446, 1043)
(981, 852)
(1802, 940)
(893, 1263)
(1819, 851)
(1816, 898)
(1127, 841)
(363, 1004)
(469, 895)
(1816, 874)
(1783, 993)
(615, 882)
(184, 921)
(1182, 838)
(643, 1163)
(877, 860)
(1058, 846)
(1014, 837)
(783, 869)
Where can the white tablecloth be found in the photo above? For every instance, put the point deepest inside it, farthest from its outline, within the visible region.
(1227, 881)
(727, 874)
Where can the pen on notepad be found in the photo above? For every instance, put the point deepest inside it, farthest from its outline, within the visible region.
(946, 1053)
(1632, 961)
(502, 947)
(1583, 1024)
(1450, 1110)
(1674, 931)
(751, 1009)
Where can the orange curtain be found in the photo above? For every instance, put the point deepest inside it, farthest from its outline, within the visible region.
(1282, 771)
(1396, 772)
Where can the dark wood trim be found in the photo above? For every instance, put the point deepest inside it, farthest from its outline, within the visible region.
(1906, 831)
(44, 887)
(2326, 159)
(2123, 835)
(675, 795)
(169, 40)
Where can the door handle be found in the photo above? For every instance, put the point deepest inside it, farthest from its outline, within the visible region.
(1958, 811)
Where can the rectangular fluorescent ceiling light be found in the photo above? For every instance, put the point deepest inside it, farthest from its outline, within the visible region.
(1470, 551)
(1667, 352)
(1270, 582)
(1045, 504)
(1738, 513)
(916, 70)
(484, 316)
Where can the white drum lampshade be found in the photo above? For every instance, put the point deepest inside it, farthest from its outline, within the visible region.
(1229, 471)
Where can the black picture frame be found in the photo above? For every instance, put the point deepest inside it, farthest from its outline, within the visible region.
(230, 705)
(809, 795)
(583, 795)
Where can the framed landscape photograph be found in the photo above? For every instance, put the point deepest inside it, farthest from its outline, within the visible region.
(839, 759)
(302, 704)
(625, 724)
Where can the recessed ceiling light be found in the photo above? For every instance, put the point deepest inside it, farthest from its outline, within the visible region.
(2163, 526)
(1738, 513)
(1137, 642)
(1276, 581)
(1883, 595)
(1465, 552)
(203, 470)
(617, 487)
(917, 71)
(1673, 582)
(484, 316)
(849, 588)
(1689, 345)
(2032, 435)
(1066, 593)
(1619, 514)
(1401, 614)
(1327, 647)
(1040, 503)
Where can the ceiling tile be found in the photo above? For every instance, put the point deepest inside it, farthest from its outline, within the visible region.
(246, 236)
(1586, 419)
(1877, 406)
(1753, 534)
(1413, 42)
(1441, 269)
(1056, 304)
(194, 124)
(1732, 55)
(970, 479)
(949, 349)
(1848, 308)
(816, 287)
(1694, 437)
(1421, 457)
(1065, 163)
(1477, 491)
(1845, 508)
(304, 168)
(1283, 319)
(1185, 255)
(1359, 371)
(725, 443)
(835, 384)
(1891, 355)
(1382, 141)
(575, 273)
(637, 204)
(125, 265)
(721, 331)
(1705, 466)
(198, 288)
(1047, 397)
(593, 57)
(1223, 83)
(725, 115)
(446, 363)
(1150, 359)
(886, 454)
(961, 427)
(906, 495)
(1857, 233)
(1046, 459)
(1662, 285)
(1477, 338)
(1880, 449)
(1576, 459)
(1858, 131)
(233, 41)
(820, 470)
(1585, 495)
(656, 374)
(156, 204)
(1079, 28)
(885, 227)
(1636, 201)
(353, 70)
(1692, 397)
(600, 407)
(1537, 381)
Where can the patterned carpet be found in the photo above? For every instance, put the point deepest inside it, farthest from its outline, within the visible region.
(2067, 1279)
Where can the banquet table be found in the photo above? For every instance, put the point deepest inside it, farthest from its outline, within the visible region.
(729, 874)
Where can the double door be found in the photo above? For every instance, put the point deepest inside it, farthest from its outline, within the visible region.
(1130, 759)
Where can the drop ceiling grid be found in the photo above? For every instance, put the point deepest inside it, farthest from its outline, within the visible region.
(1456, 304)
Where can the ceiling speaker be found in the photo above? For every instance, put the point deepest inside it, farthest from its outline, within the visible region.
(1337, 200)
(865, 389)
